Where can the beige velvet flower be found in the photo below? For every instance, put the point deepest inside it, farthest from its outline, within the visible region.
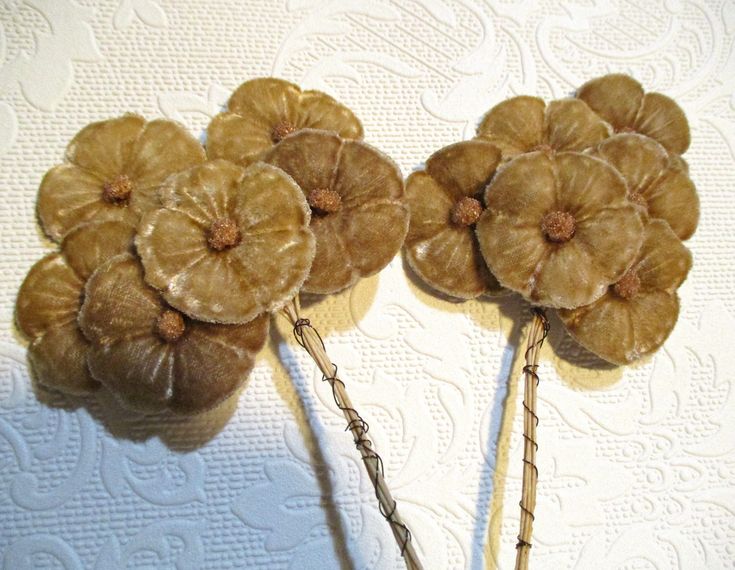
(621, 101)
(445, 200)
(261, 112)
(152, 357)
(657, 181)
(525, 124)
(558, 229)
(228, 242)
(49, 300)
(356, 194)
(112, 172)
(636, 315)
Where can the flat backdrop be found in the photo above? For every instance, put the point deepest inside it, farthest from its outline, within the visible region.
(637, 465)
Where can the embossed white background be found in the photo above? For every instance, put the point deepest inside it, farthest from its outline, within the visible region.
(637, 466)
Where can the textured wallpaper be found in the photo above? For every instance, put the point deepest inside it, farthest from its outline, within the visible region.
(637, 466)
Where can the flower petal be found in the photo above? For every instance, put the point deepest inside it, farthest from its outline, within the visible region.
(571, 125)
(70, 195)
(365, 174)
(332, 268)
(464, 168)
(663, 262)
(615, 97)
(673, 198)
(639, 159)
(318, 110)
(105, 147)
(50, 296)
(515, 126)
(268, 100)
(90, 245)
(430, 206)
(163, 148)
(59, 360)
(212, 361)
(525, 188)
(660, 118)
(242, 140)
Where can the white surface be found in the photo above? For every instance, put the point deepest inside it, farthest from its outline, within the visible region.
(635, 474)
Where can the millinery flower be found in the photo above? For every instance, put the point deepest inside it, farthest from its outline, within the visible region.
(228, 242)
(621, 101)
(153, 357)
(526, 124)
(558, 229)
(657, 181)
(49, 300)
(445, 200)
(356, 194)
(112, 172)
(261, 112)
(636, 314)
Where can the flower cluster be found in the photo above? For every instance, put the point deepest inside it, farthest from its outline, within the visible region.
(580, 205)
(172, 256)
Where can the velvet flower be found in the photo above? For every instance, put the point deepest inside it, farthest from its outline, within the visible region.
(228, 242)
(558, 229)
(621, 101)
(112, 171)
(446, 200)
(356, 194)
(153, 357)
(657, 181)
(49, 300)
(526, 124)
(261, 112)
(637, 313)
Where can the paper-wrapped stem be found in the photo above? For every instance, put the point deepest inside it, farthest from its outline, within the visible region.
(537, 334)
(308, 337)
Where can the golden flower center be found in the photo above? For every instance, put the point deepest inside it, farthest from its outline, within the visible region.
(324, 201)
(170, 325)
(558, 226)
(223, 234)
(638, 199)
(628, 286)
(282, 130)
(117, 190)
(466, 211)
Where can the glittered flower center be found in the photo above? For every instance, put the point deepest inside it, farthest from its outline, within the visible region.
(466, 211)
(324, 201)
(558, 227)
(223, 234)
(638, 199)
(628, 286)
(282, 130)
(170, 325)
(117, 190)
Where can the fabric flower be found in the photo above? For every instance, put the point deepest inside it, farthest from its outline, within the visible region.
(49, 300)
(621, 101)
(356, 194)
(558, 229)
(228, 242)
(526, 124)
(112, 172)
(261, 112)
(152, 357)
(445, 200)
(657, 181)
(636, 315)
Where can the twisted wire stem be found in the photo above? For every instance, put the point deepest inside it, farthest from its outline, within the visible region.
(537, 335)
(308, 337)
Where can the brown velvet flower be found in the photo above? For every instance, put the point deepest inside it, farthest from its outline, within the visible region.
(261, 112)
(112, 172)
(657, 181)
(636, 314)
(621, 101)
(445, 200)
(49, 300)
(153, 357)
(228, 242)
(558, 229)
(356, 194)
(526, 124)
